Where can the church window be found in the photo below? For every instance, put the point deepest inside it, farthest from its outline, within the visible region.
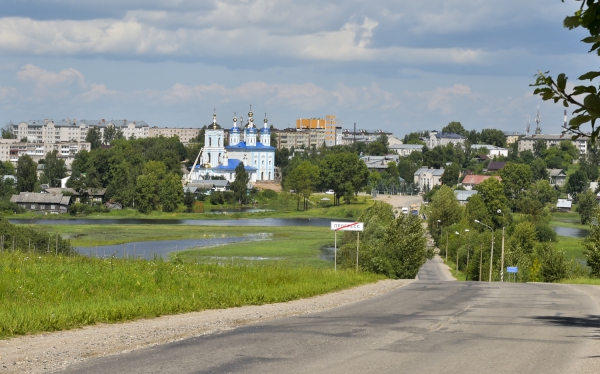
(209, 142)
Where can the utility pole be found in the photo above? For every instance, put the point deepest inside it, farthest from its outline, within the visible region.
(502, 260)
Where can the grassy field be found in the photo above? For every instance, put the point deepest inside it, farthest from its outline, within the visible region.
(288, 246)
(41, 293)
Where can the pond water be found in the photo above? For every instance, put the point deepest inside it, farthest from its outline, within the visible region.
(571, 232)
(258, 222)
(239, 210)
(162, 248)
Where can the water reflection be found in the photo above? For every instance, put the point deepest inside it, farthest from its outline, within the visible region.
(571, 232)
(162, 248)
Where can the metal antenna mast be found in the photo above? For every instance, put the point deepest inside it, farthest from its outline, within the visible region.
(538, 130)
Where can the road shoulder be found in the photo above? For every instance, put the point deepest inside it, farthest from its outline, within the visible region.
(54, 351)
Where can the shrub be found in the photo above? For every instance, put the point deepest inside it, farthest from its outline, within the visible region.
(269, 194)
(545, 233)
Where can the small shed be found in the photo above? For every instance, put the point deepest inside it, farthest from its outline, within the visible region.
(564, 205)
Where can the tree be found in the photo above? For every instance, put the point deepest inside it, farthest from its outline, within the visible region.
(492, 194)
(539, 170)
(394, 247)
(240, 184)
(445, 208)
(94, 137)
(587, 206)
(110, 133)
(54, 169)
(451, 174)
(170, 193)
(539, 147)
(146, 194)
(522, 242)
(585, 98)
(26, 174)
(516, 179)
(7, 131)
(493, 137)
(456, 128)
(302, 180)
(344, 173)
(589, 167)
(592, 246)
(543, 192)
(7, 168)
(188, 201)
(576, 183)
(414, 138)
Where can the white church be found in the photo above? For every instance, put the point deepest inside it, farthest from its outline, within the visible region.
(247, 145)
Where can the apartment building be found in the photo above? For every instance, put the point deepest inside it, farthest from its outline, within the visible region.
(526, 142)
(332, 133)
(349, 137)
(185, 134)
(12, 149)
(73, 130)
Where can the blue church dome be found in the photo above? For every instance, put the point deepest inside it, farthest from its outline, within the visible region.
(235, 129)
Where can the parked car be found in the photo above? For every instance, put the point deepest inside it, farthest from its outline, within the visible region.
(404, 210)
(330, 192)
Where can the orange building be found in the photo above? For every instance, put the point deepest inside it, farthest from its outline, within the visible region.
(327, 124)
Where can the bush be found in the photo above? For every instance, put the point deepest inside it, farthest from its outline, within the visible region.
(554, 264)
(269, 194)
(86, 209)
(545, 233)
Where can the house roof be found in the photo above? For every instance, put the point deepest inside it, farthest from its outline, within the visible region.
(496, 165)
(462, 195)
(563, 203)
(482, 157)
(449, 135)
(242, 145)
(208, 184)
(40, 198)
(476, 179)
(232, 163)
(407, 146)
(434, 172)
(489, 147)
(89, 191)
(556, 172)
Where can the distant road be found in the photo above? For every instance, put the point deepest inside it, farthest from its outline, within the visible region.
(428, 326)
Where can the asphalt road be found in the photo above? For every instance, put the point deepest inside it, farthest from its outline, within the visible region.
(428, 326)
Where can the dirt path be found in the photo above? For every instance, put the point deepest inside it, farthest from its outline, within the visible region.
(51, 352)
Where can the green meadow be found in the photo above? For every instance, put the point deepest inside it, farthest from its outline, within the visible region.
(40, 293)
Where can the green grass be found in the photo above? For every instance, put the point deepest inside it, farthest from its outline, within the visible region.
(41, 293)
(591, 281)
(289, 247)
(572, 246)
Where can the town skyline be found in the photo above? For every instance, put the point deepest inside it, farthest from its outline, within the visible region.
(397, 67)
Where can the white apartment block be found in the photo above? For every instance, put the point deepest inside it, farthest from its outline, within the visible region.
(12, 149)
(184, 134)
(70, 130)
(364, 136)
(526, 143)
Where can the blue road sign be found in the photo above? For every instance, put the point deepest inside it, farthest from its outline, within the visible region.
(511, 269)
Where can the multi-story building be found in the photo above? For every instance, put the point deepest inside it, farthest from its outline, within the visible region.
(69, 130)
(184, 134)
(526, 142)
(350, 137)
(332, 133)
(12, 149)
(428, 178)
(512, 136)
(492, 150)
(443, 138)
(406, 149)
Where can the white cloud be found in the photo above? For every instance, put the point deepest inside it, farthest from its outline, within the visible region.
(306, 96)
(44, 78)
(445, 99)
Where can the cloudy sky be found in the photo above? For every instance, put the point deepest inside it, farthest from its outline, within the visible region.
(396, 65)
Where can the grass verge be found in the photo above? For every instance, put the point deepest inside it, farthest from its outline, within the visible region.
(41, 293)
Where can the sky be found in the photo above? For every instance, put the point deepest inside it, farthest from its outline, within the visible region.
(393, 65)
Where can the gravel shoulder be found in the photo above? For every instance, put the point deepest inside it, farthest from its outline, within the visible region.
(52, 352)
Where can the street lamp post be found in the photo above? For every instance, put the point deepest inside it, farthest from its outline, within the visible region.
(492, 252)
(458, 248)
(440, 222)
(502, 257)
